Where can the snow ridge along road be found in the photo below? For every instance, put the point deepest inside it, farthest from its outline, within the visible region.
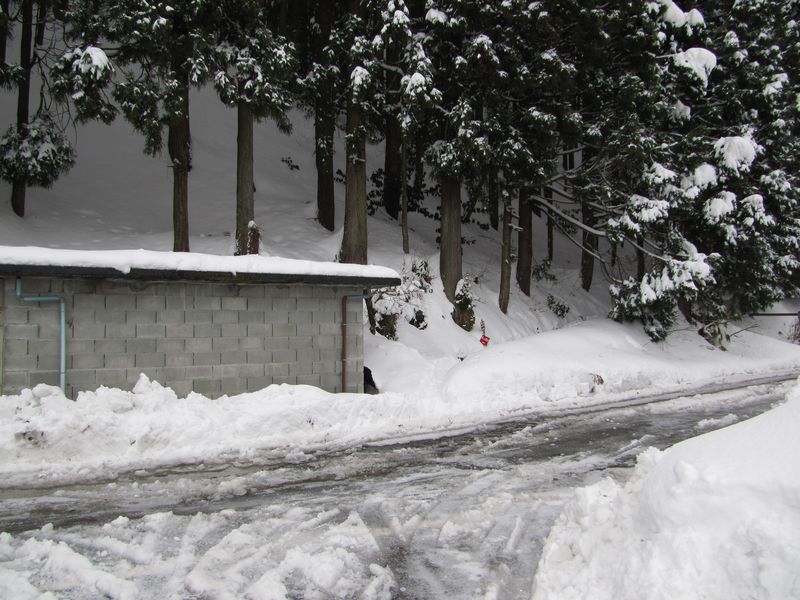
(460, 517)
(194, 487)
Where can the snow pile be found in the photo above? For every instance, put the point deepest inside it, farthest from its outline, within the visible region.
(284, 552)
(125, 260)
(717, 516)
(46, 439)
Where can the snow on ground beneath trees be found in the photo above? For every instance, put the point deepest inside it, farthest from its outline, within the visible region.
(47, 439)
(716, 516)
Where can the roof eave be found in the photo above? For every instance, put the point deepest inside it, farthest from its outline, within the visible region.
(161, 275)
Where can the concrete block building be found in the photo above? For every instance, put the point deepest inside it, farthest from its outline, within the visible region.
(210, 324)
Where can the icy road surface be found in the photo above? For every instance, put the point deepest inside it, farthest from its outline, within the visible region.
(461, 517)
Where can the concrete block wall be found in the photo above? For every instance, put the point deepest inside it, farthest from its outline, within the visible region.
(210, 338)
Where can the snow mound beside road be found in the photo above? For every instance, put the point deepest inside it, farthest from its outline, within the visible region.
(47, 439)
(714, 517)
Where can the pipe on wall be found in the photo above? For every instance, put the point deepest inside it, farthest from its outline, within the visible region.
(362, 295)
(62, 354)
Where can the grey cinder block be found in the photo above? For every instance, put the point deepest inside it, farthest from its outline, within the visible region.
(150, 359)
(119, 361)
(234, 303)
(284, 329)
(180, 330)
(140, 346)
(151, 330)
(176, 359)
(198, 345)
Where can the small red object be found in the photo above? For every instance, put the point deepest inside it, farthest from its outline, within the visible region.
(485, 340)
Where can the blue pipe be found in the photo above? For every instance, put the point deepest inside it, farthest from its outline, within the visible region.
(62, 373)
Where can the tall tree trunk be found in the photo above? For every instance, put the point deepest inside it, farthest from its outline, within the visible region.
(505, 258)
(404, 196)
(180, 154)
(493, 195)
(324, 119)
(324, 129)
(392, 172)
(245, 210)
(550, 236)
(525, 243)
(450, 244)
(41, 20)
(354, 241)
(392, 175)
(589, 247)
(417, 193)
(4, 29)
(641, 266)
(19, 185)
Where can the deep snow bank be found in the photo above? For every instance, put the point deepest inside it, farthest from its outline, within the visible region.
(717, 516)
(47, 439)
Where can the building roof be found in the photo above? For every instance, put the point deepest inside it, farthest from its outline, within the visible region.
(152, 265)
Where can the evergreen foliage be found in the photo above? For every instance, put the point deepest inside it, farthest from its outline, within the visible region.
(37, 154)
(686, 123)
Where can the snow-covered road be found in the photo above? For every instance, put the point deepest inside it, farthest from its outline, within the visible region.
(459, 517)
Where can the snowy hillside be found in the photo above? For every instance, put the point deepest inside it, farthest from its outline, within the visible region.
(117, 198)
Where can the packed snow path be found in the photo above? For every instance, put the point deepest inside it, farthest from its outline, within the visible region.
(460, 517)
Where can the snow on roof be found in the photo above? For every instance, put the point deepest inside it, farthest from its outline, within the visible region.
(128, 262)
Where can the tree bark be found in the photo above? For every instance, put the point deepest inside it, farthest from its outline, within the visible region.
(404, 196)
(450, 244)
(324, 121)
(589, 247)
(41, 19)
(324, 129)
(641, 266)
(354, 241)
(505, 258)
(245, 209)
(179, 146)
(19, 185)
(4, 29)
(417, 189)
(492, 193)
(525, 243)
(549, 236)
(391, 168)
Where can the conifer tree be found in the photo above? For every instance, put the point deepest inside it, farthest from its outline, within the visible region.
(320, 92)
(35, 150)
(252, 69)
(364, 108)
(162, 50)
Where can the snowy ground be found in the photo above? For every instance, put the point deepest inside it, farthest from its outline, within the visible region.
(465, 533)
(717, 516)
(461, 517)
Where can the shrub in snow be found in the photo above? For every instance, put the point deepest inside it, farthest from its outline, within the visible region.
(37, 153)
(559, 309)
(405, 300)
(463, 308)
(541, 271)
